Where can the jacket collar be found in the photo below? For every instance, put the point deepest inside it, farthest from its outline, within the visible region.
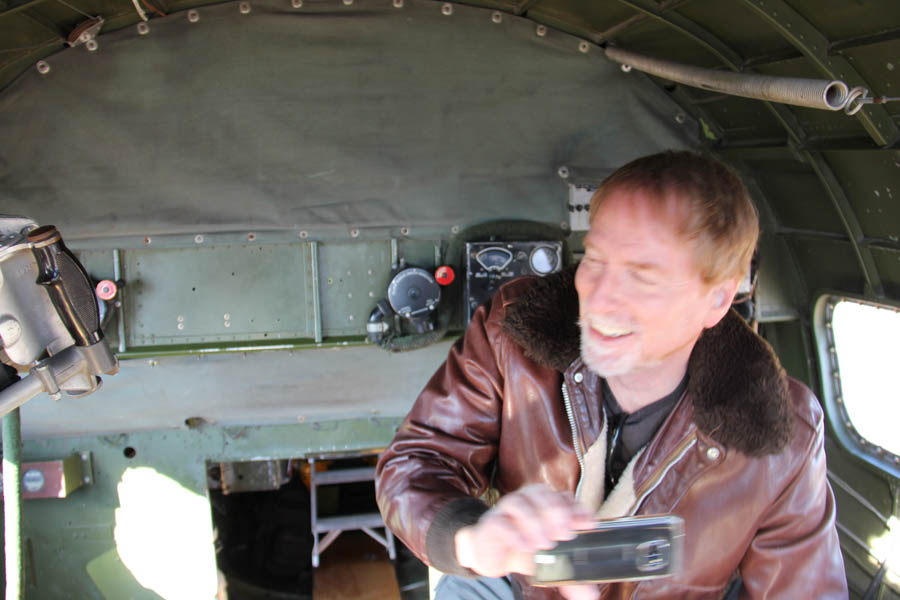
(737, 387)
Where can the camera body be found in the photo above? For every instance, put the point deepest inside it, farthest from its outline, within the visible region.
(631, 548)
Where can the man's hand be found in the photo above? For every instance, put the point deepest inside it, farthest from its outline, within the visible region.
(506, 537)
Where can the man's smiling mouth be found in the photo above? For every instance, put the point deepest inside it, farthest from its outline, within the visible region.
(607, 329)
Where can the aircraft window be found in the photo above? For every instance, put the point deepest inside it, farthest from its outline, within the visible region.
(868, 380)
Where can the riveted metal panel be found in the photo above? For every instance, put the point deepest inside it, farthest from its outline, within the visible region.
(218, 294)
(352, 277)
(871, 181)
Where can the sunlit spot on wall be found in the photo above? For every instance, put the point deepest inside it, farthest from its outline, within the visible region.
(164, 536)
(886, 548)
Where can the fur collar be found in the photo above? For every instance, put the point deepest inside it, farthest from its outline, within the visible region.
(737, 386)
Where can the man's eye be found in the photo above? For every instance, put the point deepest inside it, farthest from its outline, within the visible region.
(642, 278)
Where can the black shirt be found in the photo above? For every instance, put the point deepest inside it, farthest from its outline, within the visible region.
(627, 433)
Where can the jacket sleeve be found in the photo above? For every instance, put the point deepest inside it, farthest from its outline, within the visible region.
(429, 479)
(796, 552)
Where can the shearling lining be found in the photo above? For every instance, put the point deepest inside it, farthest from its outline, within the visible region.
(736, 384)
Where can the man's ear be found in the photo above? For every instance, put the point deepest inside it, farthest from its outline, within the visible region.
(721, 295)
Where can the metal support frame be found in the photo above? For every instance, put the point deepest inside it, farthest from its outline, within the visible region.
(720, 49)
(524, 6)
(117, 276)
(873, 287)
(22, 7)
(818, 45)
(807, 39)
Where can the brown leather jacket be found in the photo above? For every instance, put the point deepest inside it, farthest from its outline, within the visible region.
(740, 458)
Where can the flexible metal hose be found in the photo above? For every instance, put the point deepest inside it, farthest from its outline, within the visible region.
(813, 93)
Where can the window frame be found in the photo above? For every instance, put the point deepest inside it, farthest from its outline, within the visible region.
(829, 376)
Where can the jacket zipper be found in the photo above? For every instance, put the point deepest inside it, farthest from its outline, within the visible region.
(576, 442)
(679, 453)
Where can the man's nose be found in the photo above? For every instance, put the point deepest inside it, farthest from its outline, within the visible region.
(605, 290)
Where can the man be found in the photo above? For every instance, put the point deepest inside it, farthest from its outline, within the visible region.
(631, 388)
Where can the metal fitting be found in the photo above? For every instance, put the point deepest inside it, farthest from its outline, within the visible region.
(143, 28)
(541, 30)
(193, 16)
(497, 16)
(43, 67)
(447, 9)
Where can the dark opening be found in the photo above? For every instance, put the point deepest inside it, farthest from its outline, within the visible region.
(264, 539)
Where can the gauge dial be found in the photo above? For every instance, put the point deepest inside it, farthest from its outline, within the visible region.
(494, 258)
(543, 260)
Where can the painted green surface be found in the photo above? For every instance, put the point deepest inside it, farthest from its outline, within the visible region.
(72, 540)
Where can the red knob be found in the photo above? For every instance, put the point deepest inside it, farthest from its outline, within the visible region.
(444, 275)
(106, 290)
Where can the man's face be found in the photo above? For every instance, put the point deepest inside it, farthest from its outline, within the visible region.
(642, 302)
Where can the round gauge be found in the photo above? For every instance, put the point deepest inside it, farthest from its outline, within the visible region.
(543, 260)
(413, 291)
(494, 258)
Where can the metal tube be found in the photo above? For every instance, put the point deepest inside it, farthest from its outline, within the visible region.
(317, 298)
(19, 393)
(812, 93)
(12, 505)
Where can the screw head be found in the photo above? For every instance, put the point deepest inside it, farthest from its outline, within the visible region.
(447, 9)
(583, 47)
(497, 16)
(245, 8)
(193, 16)
(398, 3)
(303, 235)
(626, 68)
(354, 233)
(198, 239)
(143, 28)
(91, 45)
(43, 67)
(541, 30)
